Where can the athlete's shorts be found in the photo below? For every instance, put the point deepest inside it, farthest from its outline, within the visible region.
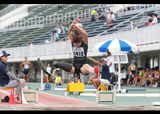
(78, 66)
(104, 81)
(26, 71)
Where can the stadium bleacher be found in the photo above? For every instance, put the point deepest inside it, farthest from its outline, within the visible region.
(38, 35)
(16, 37)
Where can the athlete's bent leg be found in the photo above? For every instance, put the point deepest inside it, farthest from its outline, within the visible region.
(88, 69)
(96, 83)
(65, 66)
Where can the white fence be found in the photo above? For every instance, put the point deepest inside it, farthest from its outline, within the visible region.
(143, 36)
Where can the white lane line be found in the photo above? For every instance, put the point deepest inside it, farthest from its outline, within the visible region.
(126, 95)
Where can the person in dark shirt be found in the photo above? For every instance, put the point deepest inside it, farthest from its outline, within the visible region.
(105, 74)
(7, 79)
(100, 15)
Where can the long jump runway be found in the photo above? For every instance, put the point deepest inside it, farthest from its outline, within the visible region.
(50, 102)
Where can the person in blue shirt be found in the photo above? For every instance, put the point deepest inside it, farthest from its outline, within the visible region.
(55, 36)
(105, 74)
(7, 79)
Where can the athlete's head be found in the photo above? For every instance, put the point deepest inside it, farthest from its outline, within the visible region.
(25, 58)
(77, 40)
(76, 32)
(49, 65)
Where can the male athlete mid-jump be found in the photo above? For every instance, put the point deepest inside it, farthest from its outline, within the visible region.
(79, 42)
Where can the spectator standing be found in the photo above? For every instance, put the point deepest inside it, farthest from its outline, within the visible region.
(111, 20)
(108, 16)
(93, 13)
(49, 71)
(132, 72)
(59, 7)
(26, 65)
(111, 65)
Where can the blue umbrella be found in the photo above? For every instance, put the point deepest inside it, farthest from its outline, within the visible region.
(116, 46)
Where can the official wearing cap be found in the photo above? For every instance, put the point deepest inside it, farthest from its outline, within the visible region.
(7, 79)
(105, 74)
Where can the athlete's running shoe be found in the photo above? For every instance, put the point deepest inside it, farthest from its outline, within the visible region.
(96, 71)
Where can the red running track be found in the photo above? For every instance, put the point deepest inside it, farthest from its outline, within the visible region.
(51, 100)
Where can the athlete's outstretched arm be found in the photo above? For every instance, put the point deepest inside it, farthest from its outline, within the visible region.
(97, 62)
(70, 32)
(70, 29)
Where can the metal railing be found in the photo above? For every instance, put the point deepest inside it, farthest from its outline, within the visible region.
(61, 17)
(127, 20)
(144, 18)
(55, 18)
